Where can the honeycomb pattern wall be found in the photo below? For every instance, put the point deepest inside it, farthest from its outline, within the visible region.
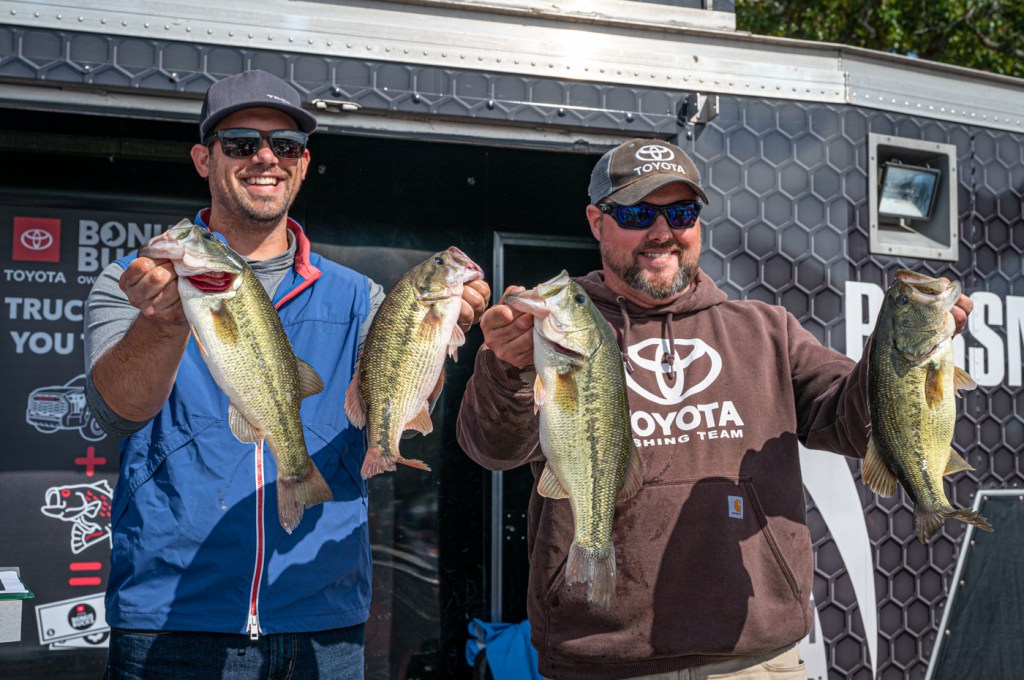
(790, 226)
(155, 66)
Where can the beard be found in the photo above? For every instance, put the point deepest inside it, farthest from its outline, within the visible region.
(643, 281)
(260, 213)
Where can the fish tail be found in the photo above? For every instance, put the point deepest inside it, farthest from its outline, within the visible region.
(972, 518)
(294, 495)
(418, 464)
(596, 567)
(928, 521)
(376, 462)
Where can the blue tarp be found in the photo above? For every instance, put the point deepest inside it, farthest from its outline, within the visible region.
(510, 656)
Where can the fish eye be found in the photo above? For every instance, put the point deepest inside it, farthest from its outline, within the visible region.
(438, 260)
(902, 300)
(579, 298)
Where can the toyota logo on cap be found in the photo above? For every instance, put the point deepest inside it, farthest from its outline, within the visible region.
(650, 153)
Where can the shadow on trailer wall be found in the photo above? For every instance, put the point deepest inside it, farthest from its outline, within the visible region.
(102, 186)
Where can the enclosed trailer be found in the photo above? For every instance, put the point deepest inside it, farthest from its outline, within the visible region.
(476, 123)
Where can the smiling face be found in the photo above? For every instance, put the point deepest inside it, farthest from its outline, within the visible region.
(254, 193)
(654, 266)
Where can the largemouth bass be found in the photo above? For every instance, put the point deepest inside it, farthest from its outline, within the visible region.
(402, 360)
(912, 389)
(242, 341)
(580, 392)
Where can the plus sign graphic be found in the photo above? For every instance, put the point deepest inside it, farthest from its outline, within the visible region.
(90, 461)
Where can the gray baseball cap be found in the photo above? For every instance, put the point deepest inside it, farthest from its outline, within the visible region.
(248, 90)
(630, 171)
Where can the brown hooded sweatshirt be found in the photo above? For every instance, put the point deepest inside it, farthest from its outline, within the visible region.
(713, 554)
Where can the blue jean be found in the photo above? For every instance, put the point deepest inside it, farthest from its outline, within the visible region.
(146, 655)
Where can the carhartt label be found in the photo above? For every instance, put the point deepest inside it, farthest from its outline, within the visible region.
(736, 507)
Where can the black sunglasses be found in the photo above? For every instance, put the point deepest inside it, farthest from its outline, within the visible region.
(679, 215)
(246, 142)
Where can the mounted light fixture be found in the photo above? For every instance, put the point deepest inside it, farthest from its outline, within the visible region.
(908, 191)
(912, 198)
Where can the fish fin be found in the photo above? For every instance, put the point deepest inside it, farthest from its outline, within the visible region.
(436, 392)
(596, 568)
(972, 518)
(355, 407)
(634, 478)
(540, 395)
(933, 385)
(962, 381)
(224, 323)
(243, 430)
(549, 486)
(528, 376)
(418, 464)
(199, 343)
(295, 495)
(310, 382)
(876, 474)
(926, 522)
(457, 340)
(421, 422)
(376, 462)
(956, 463)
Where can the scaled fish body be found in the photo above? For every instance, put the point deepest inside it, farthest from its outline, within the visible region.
(403, 356)
(242, 341)
(912, 385)
(580, 392)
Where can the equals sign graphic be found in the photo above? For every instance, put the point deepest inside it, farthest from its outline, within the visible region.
(89, 581)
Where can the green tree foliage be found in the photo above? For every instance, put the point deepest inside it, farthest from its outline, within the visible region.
(980, 34)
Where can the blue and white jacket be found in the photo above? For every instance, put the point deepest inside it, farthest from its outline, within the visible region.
(197, 544)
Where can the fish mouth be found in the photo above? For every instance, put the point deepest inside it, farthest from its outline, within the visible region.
(562, 349)
(212, 281)
(471, 270)
(925, 289)
(534, 300)
(527, 301)
(200, 271)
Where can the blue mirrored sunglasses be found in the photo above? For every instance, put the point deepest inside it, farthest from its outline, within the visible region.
(679, 215)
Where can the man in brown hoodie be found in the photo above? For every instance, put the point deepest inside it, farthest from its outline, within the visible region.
(713, 553)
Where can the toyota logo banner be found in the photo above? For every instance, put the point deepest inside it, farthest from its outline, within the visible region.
(60, 467)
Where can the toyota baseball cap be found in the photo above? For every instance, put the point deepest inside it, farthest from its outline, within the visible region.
(630, 171)
(248, 90)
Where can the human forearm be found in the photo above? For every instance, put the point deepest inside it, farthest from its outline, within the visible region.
(136, 374)
(497, 426)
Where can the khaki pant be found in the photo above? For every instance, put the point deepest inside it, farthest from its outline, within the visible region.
(784, 665)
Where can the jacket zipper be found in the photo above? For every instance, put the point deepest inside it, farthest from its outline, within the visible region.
(257, 575)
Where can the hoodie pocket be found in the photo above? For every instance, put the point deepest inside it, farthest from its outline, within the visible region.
(700, 569)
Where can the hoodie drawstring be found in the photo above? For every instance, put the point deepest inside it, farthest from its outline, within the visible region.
(667, 357)
(625, 334)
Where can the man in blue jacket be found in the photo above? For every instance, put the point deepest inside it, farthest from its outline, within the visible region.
(204, 582)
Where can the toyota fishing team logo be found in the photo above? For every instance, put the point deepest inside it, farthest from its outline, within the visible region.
(695, 365)
(86, 507)
(653, 153)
